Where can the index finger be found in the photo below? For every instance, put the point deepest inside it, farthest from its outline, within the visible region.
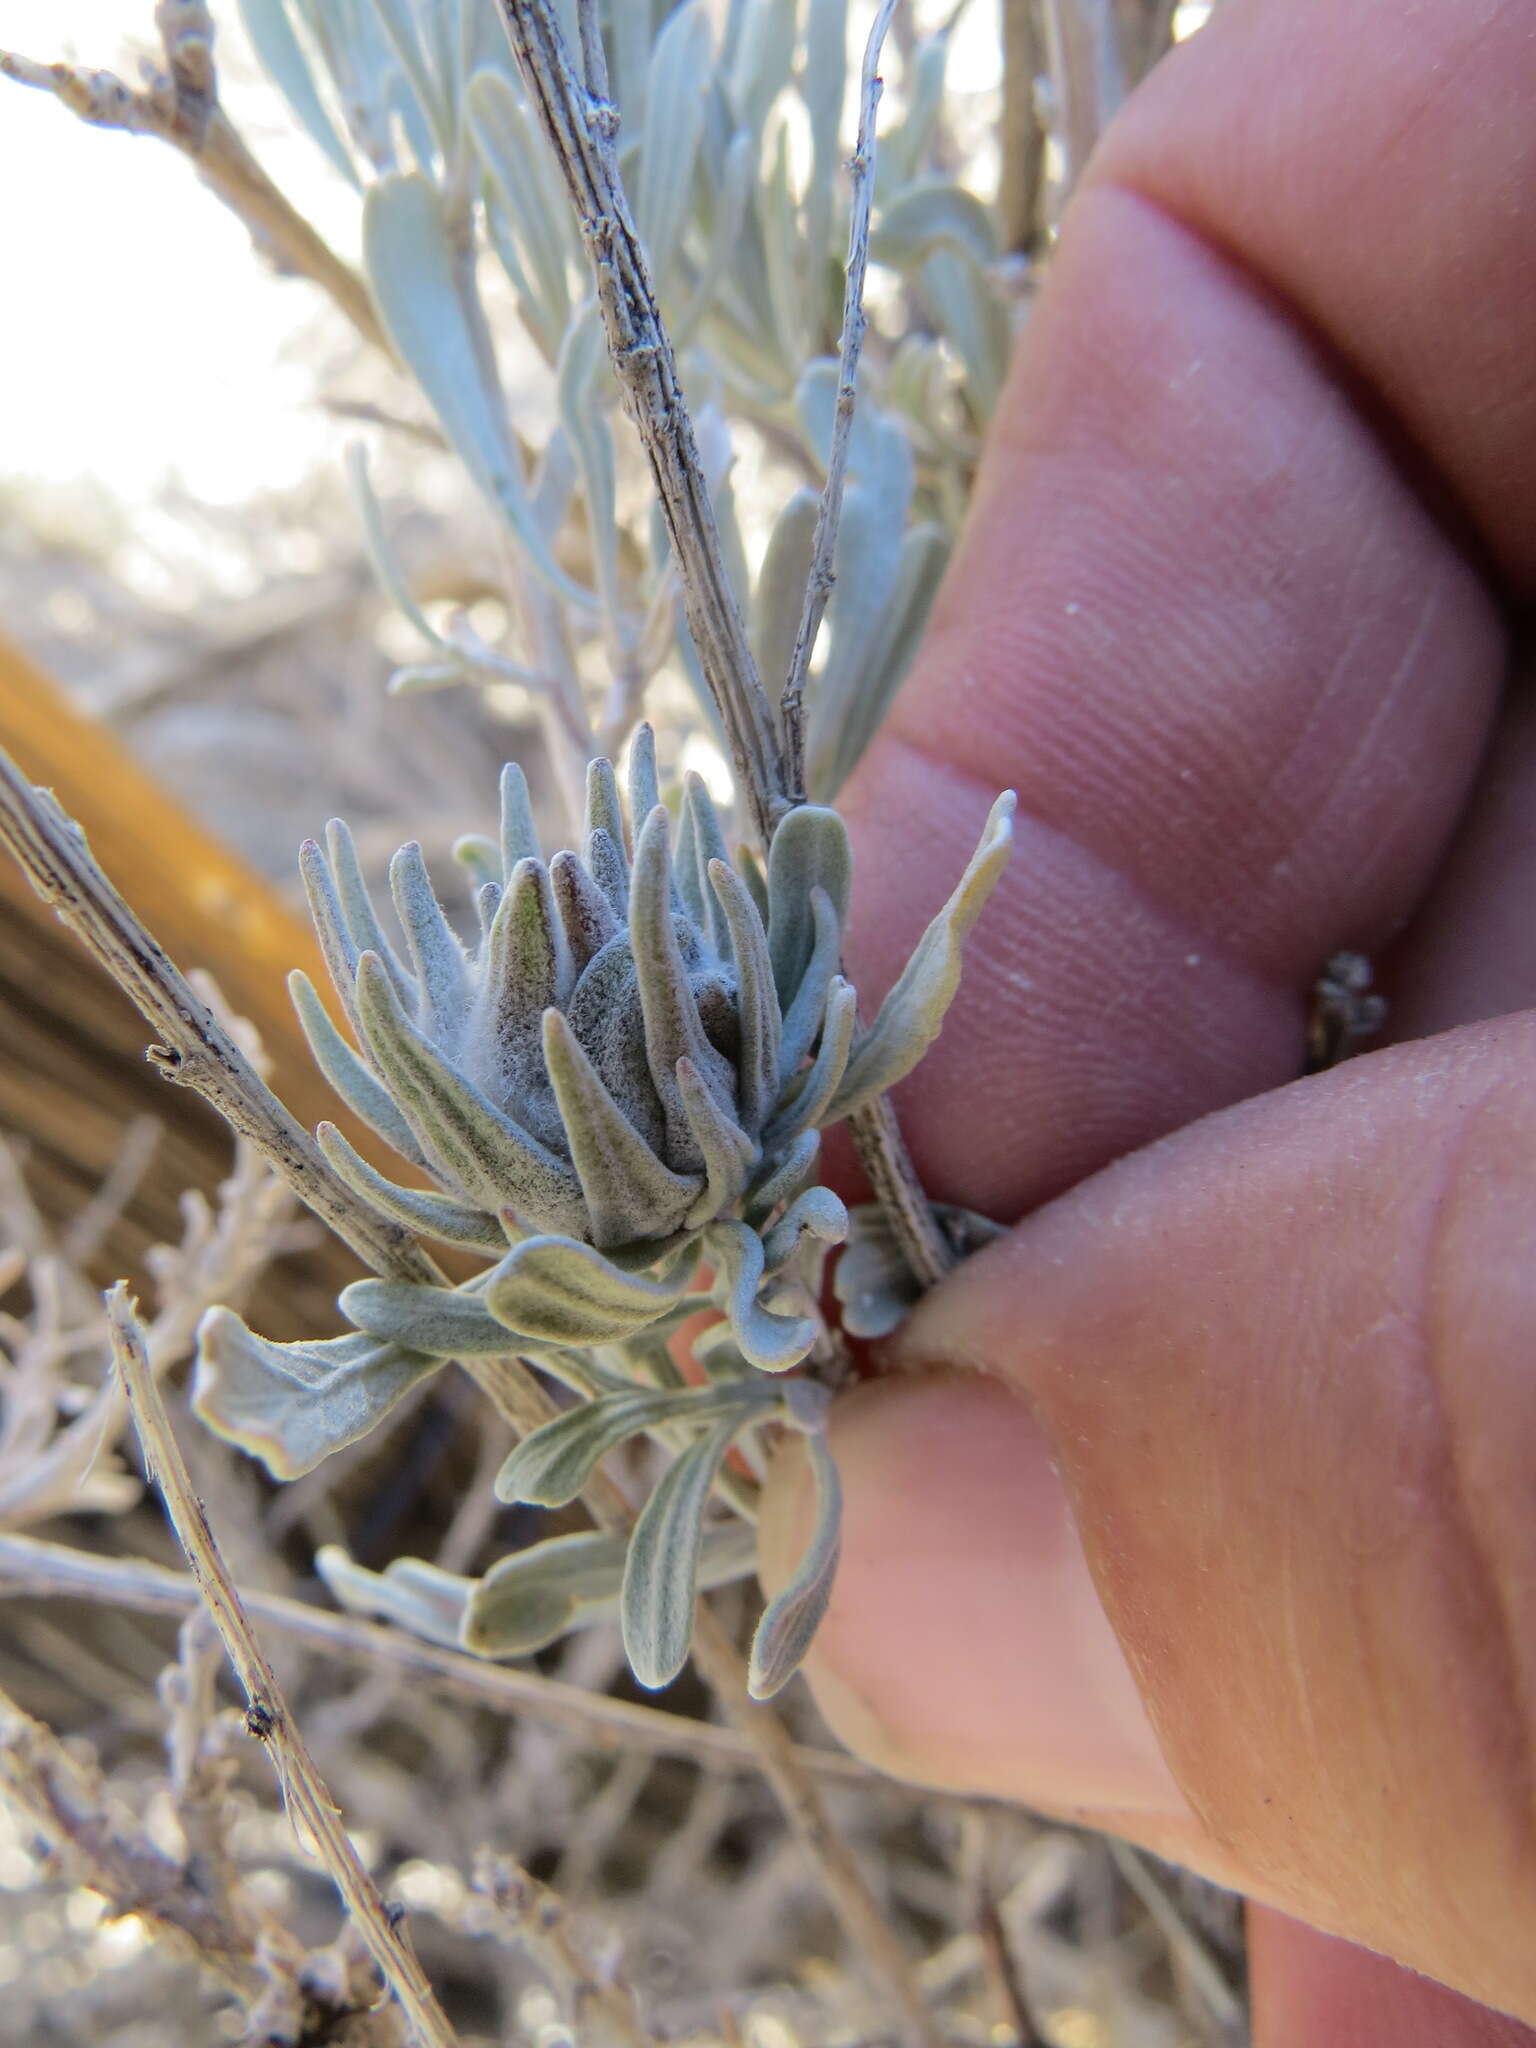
(1224, 612)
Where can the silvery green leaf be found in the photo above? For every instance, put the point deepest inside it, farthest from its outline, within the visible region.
(583, 363)
(631, 1194)
(291, 1405)
(772, 1343)
(731, 198)
(560, 1291)
(787, 1177)
(481, 860)
(512, 153)
(554, 1463)
(604, 813)
(874, 1285)
(357, 912)
(673, 1030)
(336, 947)
(803, 1019)
(762, 60)
(585, 912)
(794, 1614)
(867, 565)
(823, 85)
(533, 1597)
(732, 548)
(488, 897)
(433, 1215)
(631, 26)
(428, 1602)
(706, 843)
(416, 678)
(525, 971)
(781, 582)
(661, 1574)
(357, 1085)
(779, 219)
(904, 149)
(810, 1104)
(931, 215)
(381, 556)
(888, 652)
(399, 26)
(437, 958)
(971, 317)
(281, 56)
(444, 1322)
(644, 788)
(609, 869)
(492, 1159)
(912, 1013)
(677, 82)
(413, 276)
(809, 851)
(757, 1004)
(519, 838)
(816, 1213)
(729, 1155)
(879, 453)
(539, 323)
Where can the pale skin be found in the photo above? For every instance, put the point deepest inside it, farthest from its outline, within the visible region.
(1203, 1507)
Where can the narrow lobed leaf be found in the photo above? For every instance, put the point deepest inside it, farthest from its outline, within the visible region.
(911, 1015)
(357, 1085)
(560, 1291)
(631, 1194)
(661, 1575)
(418, 1209)
(809, 851)
(554, 1463)
(441, 982)
(792, 1617)
(773, 1343)
(757, 1061)
(492, 1159)
(291, 1405)
(519, 839)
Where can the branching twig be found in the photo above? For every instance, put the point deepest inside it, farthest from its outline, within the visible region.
(599, 2003)
(888, 1166)
(196, 1051)
(71, 1806)
(31, 1567)
(580, 131)
(181, 107)
(828, 513)
(267, 1713)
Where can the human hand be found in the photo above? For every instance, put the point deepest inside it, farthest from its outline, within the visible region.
(1213, 1519)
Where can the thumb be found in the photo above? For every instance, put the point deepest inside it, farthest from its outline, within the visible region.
(1257, 1405)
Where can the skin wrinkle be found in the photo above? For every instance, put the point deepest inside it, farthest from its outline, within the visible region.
(1392, 366)
(1259, 874)
(1460, 1503)
(1227, 1067)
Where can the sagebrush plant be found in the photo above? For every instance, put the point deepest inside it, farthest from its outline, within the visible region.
(617, 1090)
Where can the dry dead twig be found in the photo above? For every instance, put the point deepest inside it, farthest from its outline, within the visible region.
(267, 1714)
(181, 106)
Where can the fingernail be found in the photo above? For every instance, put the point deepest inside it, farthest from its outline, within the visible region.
(965, 1646)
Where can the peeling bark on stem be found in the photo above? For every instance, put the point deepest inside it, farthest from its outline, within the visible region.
(580, 130)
